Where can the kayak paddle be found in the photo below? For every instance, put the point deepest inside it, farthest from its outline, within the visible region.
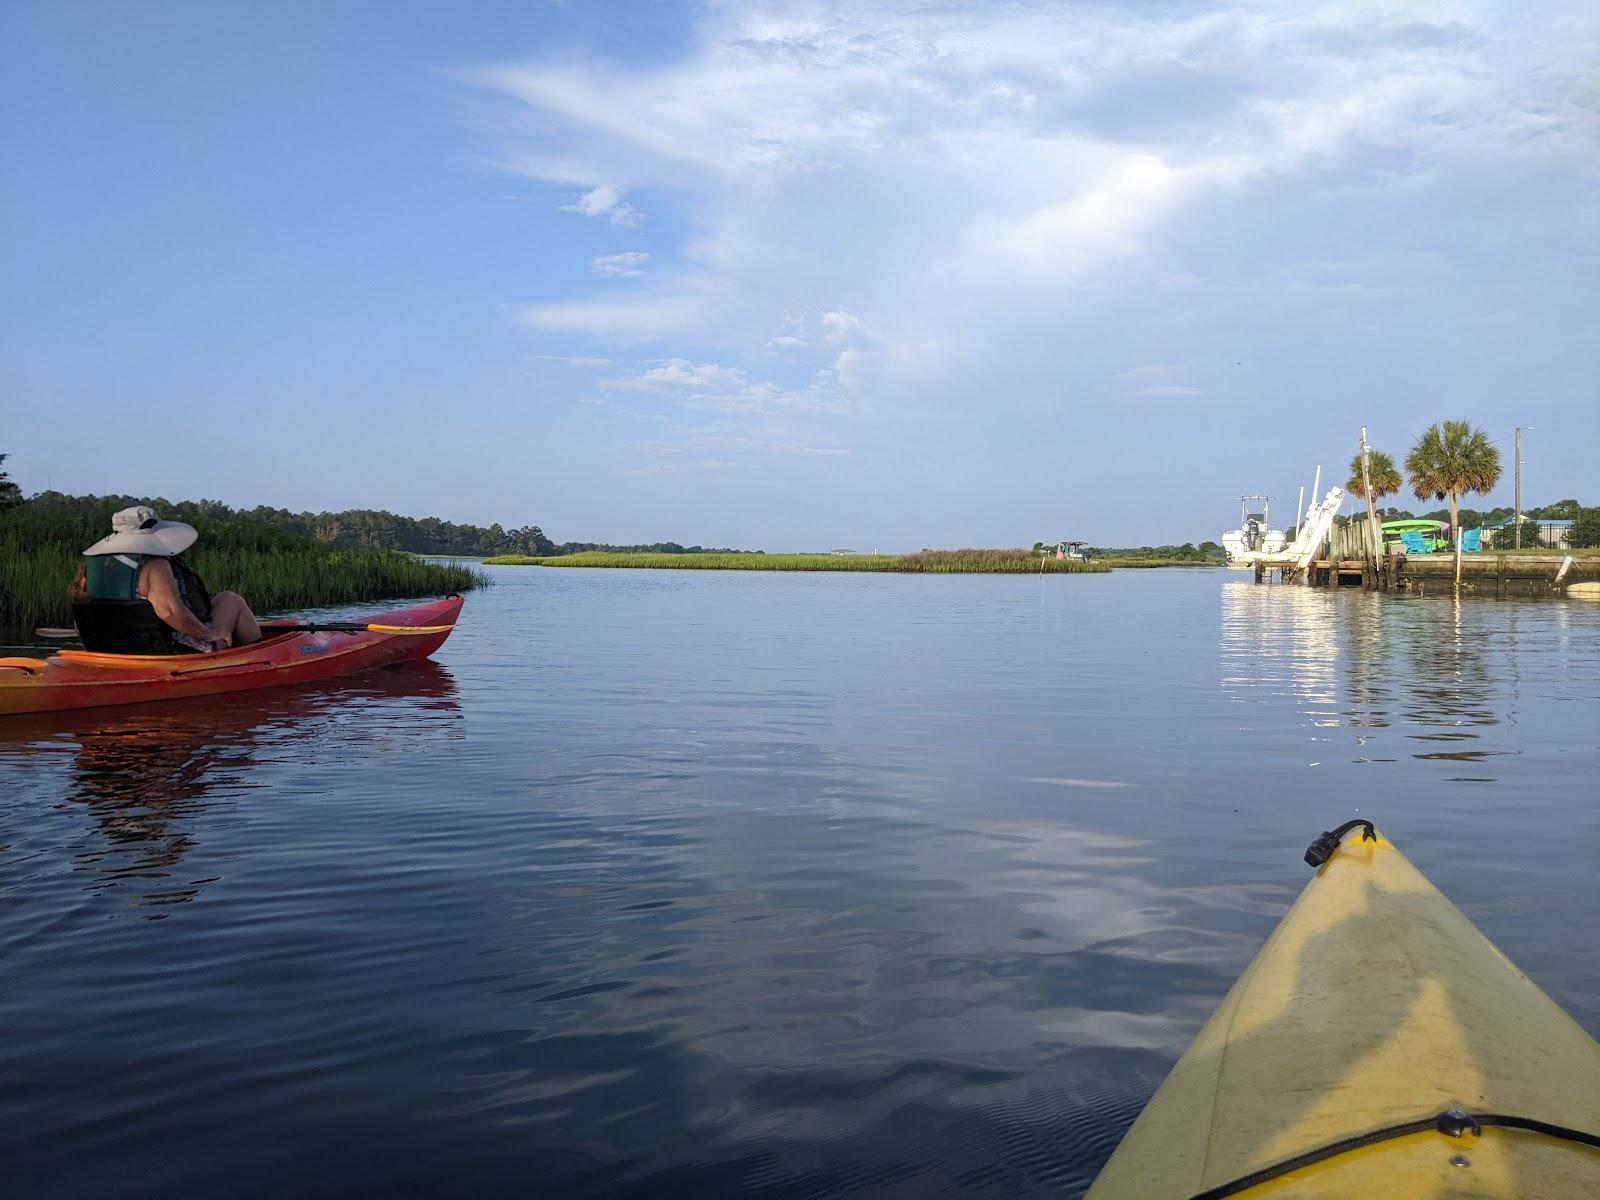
(354, 627)
(289, 627)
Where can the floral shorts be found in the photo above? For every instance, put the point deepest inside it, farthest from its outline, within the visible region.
(196, 645)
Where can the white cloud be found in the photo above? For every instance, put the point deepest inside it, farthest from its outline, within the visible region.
(1156, 380)
(605, 201)
(943, 208)
(656, 316)
(1167, 389)
(681, 376)
(841, 326)
(729, 390)
(575, 360)
(1056, 139)
(629, 265)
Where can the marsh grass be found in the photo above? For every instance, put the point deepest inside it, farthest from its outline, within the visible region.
(40, 552)
(928, 562)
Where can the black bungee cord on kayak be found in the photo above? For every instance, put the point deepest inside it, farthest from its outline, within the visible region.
(1321, 850)
(1452, 1122)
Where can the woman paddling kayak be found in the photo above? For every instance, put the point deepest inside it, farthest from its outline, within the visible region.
(290, 653)
(134, 594)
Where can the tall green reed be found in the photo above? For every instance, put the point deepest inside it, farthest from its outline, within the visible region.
(40, 552)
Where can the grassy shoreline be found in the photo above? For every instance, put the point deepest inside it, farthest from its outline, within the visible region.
(931, 562)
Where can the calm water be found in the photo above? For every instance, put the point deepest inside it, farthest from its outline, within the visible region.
(705, 883)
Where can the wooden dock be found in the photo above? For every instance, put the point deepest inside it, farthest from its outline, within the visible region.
(1349, 559)
(1486, 574)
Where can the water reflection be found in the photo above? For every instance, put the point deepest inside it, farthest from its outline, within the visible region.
(1436, 669)
(145, 774)
(1451, 686)
(1283, 640)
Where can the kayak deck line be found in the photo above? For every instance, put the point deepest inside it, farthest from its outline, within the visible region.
(1374, 1000)
(96, 658)
(278, 628)
(227, 666)
(1452, 1122)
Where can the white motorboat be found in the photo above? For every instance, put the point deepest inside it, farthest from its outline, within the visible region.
(1255, 535)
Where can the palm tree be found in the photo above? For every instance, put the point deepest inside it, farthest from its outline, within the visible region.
(1381, 470)
(1384, 478)
(1449, 460)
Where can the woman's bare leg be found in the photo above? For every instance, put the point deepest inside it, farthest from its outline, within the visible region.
(229, 610)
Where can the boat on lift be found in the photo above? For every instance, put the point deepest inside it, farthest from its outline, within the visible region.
(1255, 535)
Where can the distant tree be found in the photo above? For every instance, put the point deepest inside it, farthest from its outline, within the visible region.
(10, 493)
(1561, 510)
(1468, 518)
(1385, 476)
(1585, 528)
(1449, 460)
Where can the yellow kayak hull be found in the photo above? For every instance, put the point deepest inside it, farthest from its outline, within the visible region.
(1375, 1002)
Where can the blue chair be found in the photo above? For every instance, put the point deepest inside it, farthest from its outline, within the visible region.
(1472, 541)
(1412, 540)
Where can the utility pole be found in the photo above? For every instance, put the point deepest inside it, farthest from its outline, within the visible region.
(1518, 517)
(1374, 541)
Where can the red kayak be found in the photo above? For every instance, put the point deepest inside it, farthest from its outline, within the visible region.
(85, 679)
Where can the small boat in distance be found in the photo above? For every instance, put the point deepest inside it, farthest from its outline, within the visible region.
(1254, 535)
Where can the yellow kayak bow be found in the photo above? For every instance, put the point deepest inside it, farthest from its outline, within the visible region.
(1378, 1045)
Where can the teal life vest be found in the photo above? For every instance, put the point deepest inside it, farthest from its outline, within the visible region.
(115, 619)
(116, 577)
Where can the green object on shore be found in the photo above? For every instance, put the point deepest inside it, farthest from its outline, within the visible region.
(929, 562)
(1432, 532)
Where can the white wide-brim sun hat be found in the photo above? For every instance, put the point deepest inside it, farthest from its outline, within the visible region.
(138, 530)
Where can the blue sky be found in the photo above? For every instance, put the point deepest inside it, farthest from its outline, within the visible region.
(790, 276)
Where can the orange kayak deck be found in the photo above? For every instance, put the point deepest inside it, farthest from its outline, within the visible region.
(73, 679)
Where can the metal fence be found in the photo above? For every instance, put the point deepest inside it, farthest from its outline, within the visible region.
(1550, 535)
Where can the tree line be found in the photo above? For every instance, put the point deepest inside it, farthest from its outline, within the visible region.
(352, 529)
(356, 529)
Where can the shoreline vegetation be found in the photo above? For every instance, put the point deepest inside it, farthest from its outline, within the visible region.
(41, 544)
(928, 562)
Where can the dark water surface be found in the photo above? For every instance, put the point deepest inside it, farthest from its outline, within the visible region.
(703, 883)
